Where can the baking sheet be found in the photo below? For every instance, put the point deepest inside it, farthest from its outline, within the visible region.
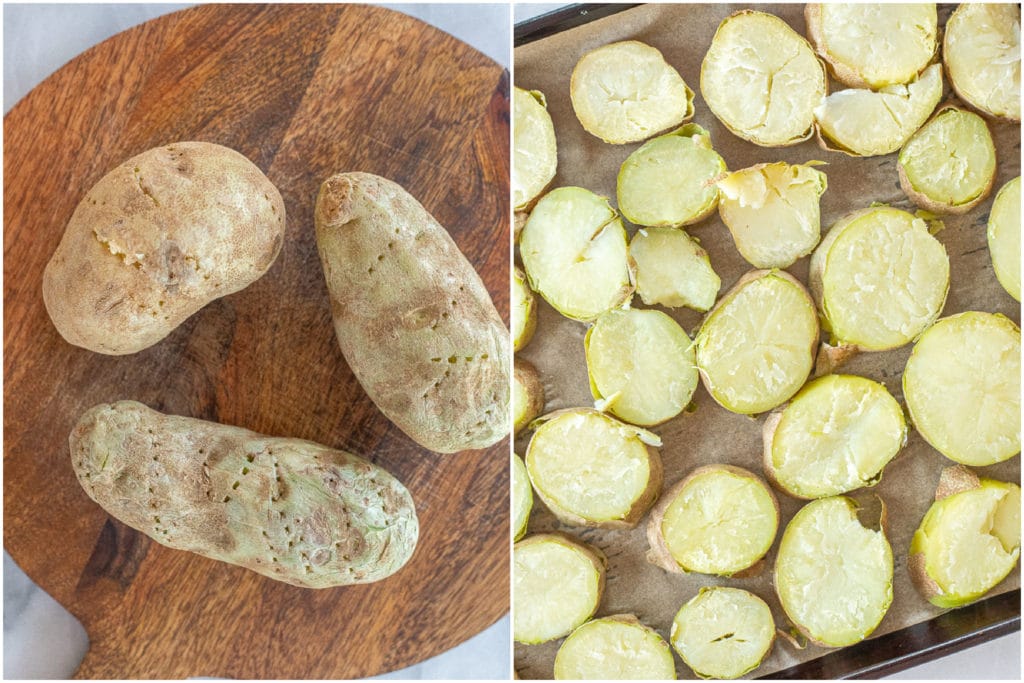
(711, 434)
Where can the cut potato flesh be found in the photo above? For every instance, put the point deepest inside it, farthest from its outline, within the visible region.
(762, 80)
(524, 311)
(673, 270)
(669, 181)
(527, 394)
(535, 154)
(772, 212)
(723, 632)
(627, 92)
(981, 50)
(574, 249)
(522, 497)
(641, 365)
(833, 575)
(616, 648)
(1004, 237)
(962, 387)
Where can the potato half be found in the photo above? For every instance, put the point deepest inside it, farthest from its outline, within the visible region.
(756, 346)
(969, 539)
(641, 365)
(592, 470)
(949, 165)
(981, 50)
(718, 520)
(524, 311)
(673, 270)
(557, 584)
(762, 80)
(615, 648)
(835, 436)
(527, 394)
(627, 92)
(962, 387)
(1004, 237)
(879, 277)
(534, 148)
(723, 632)
(670, 180)
(832, 574)
(575, 253)
(522, 497)
(772, 211)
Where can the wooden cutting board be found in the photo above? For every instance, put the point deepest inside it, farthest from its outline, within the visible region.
(303, 91)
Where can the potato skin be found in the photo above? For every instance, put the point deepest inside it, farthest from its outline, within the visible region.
(156, 239)
(289, 509)
(412, 317)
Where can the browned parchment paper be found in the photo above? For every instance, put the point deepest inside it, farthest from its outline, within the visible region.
(712, 434)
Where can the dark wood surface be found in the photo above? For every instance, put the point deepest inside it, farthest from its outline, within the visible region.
(303, 91)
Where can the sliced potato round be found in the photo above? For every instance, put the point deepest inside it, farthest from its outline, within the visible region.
(772, 211)
(756, 346)
(527, 394)
(762, 80)
(524, 311)
(835, 436)
(615, 648)
(673, 270)
(522, 497)
(832, 574)
(1004, 237)
(592, 470)
(981, 50)
(627, 92)
(879, 277)
(718, 520)
(641, 365)
(968, 541)
(962, 387)
(557, 584)
(669, 181)
(575, 254)
(723, 632)
(534, 148)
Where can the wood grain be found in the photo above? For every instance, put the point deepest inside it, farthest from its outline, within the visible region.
(303, 91)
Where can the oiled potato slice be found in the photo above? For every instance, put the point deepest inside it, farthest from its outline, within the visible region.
(879, 277)
(669, 181)
(592, 470)
(832, 574)
(534, 148)
(773, 212)
(835, 436)
(627, 92)
(718, 520)
(872, 45)
(723, 632)
(968, 541)
(641, 365)
(673, 270)
(527, 394)
(869, 123)
(615, 648)
(762, 80)
(522, 497)
(756, 346)
(981, 50)
(962, 388)
(575, 254)
(524, 311)
(949, 165)
(1004, 237)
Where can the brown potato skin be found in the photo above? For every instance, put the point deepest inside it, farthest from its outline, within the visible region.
(527, 375)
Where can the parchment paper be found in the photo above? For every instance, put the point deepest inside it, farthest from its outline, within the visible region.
(711, 434)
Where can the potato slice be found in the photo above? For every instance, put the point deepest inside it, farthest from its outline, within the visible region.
(673, 270)
(615, 648)
(524, 311)
(527, 394)
(968, 541)
(670, 180)
(1004, 237)
(627, 92)
(575, 254)
(835, 436)
(522, 497)
(962, 388)
(534, 148)
(557, 584)
(981, 50)
(592, 470)
(756, 346)
(872, 45)
(832, 574)
(772, 211)
(641, 365)
(718, 520)
(762, 80)
(865, 123)
(723, 632)
(879, 278)
(949, 165)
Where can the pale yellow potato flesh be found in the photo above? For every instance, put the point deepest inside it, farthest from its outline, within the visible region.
(981, 50)
(522, 497)
(723, 632)
(1004, 237)
(534, 148)
(673, 270)
(616, 648)
(523, 311)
